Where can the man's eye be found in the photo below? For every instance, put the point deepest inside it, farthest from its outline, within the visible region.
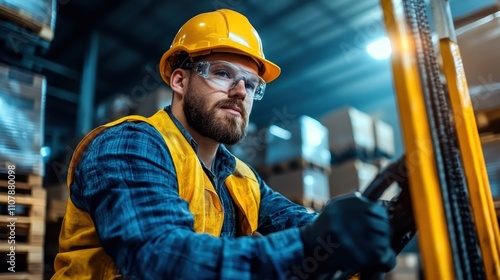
(250, 86)
(222, 74)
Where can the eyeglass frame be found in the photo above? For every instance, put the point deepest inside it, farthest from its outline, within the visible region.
(202, 69)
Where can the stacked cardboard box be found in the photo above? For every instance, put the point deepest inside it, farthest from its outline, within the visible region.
(297, 161)
(308, 187)
(303, 138)
(384, 152)
(37, 15)
(22, 104)
(354, 176)
(350, 134)
(384, 139)
(350, 176)
(361, 146)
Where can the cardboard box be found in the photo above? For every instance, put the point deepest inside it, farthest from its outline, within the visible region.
(350, 133)
(310, 184)
(304, 138)
(384, 139)
(350, 176)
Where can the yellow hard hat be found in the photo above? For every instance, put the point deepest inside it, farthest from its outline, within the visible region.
(220, 31)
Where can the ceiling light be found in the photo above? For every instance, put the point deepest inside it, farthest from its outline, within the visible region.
(379, 49)
(280, 132)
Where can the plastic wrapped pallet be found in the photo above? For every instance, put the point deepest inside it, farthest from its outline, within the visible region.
(302, 184)
(38, 15)
(22, 105)
(303, 138)
(350, 134)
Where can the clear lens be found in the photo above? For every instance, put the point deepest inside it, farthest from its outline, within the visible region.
(227, 75)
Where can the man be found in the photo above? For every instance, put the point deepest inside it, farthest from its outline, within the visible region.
(161, 198)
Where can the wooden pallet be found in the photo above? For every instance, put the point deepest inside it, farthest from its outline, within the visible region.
(290, 165)
(21, 276)
(28, 217)
(22, 181)
(28, 230)
(28, 262)
(26, 20)
(28, 211)
(29, 203)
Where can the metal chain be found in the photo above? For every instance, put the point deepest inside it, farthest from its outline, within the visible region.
(463, 236)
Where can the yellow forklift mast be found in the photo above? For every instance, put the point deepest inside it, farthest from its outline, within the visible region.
(450, 194)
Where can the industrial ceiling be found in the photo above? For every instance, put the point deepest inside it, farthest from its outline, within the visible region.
(319, 45)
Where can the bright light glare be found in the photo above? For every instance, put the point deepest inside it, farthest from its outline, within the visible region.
(280, 132)
(308, 180)
(313, 133)
(379, 49)
(45, 151)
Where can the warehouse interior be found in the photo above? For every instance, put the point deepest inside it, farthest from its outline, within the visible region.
(86, 63)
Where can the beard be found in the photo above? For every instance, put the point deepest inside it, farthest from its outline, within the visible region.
(226, 130)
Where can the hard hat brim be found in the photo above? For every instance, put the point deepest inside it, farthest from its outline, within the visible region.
(267, 69)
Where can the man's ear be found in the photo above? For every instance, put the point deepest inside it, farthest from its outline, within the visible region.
(178, 80)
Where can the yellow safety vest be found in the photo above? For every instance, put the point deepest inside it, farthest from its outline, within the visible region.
(81, 255)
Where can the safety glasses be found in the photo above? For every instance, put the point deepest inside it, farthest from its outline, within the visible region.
(226, 76)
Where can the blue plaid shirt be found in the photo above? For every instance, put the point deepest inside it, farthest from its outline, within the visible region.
(126, 181)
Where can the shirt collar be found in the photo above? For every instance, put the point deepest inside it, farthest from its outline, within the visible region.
(224, 161)
(184, 132)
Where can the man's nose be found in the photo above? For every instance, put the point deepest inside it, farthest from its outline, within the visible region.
(239, 89)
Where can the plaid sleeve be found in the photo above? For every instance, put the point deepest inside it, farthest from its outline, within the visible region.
(127, 183)
(278, 213)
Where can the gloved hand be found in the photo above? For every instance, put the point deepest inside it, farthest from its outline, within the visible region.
(350, 234)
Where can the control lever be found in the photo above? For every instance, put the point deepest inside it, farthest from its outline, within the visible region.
(399, 208)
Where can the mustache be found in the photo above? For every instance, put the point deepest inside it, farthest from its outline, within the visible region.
(232, 103)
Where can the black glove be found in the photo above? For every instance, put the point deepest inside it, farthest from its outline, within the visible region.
(350, 234)
(402, 222)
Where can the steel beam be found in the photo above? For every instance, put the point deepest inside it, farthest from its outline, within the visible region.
(87, 92)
